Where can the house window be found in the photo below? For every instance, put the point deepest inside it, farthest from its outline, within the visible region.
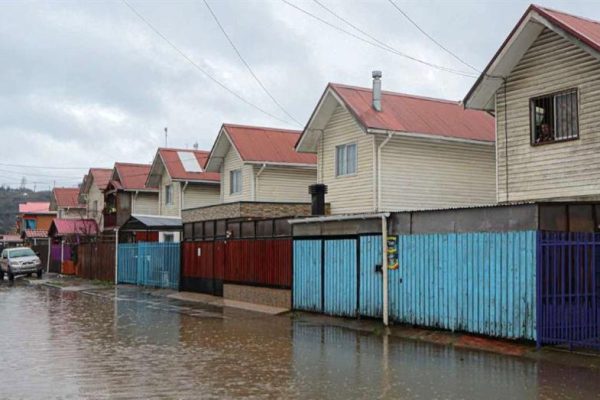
(168, 238)
(235, 181)
(30, 224)
(345, 159)
(169, 194)
(554, 118)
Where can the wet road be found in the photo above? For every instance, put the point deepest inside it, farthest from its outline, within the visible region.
(128, 344)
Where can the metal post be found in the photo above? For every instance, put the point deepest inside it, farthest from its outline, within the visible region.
(49, 254)
(384, 268)
(116, 255)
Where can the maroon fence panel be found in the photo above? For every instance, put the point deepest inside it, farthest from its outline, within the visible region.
(261, 262)
(568, 289)
(199, 268)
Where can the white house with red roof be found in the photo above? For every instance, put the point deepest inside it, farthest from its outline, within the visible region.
(387, 151)
(182, 181)
(260, 164)
(543, 85)
(126, 193)
(91, 192)
(65, 202)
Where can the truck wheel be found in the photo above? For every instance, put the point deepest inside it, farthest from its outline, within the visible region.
(29, 275)
(11, 277)
(1, 275)
(39, 274)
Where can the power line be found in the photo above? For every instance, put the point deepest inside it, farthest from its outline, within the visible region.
(42, 166)
(199, 68)
(380, 44)
(247, 65)
(431, 38)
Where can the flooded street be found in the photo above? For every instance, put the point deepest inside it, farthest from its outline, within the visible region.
(128, 344)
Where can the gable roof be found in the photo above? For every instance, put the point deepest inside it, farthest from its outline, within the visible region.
(67, 197)
(35, 207)
(101, 177)
(400, 113)
(581, 31)
(255, 144)
(62, 227)
(170, 159)
(131, 176)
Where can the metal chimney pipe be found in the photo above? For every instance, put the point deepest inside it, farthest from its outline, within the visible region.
(377, 90)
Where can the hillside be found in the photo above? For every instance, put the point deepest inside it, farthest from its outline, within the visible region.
(9, 204)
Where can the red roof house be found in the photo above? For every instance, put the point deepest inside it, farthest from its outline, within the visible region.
(388, 151)
(261, 164)
(73, 227)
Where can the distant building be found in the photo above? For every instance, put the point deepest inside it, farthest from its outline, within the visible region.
(65, 202)
(91, 192)
(34, 220)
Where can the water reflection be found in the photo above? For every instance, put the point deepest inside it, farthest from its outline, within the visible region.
(127, 343)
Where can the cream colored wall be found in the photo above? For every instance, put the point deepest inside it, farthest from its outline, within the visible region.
(561, 170)
(170, 210)
(346, 194)
(200, 195)
(285, 184)
(424, 174)
(94, 194)
(72, 213)
(145, 203)
(232, 162)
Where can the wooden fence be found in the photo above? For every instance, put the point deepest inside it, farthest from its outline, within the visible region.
(96, 261)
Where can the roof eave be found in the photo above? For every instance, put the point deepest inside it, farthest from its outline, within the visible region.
(430, 136)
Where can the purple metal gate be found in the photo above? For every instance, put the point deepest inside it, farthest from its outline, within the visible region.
(568, 289)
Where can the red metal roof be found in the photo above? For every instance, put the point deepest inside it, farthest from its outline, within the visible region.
(61, 227)
(133, 176)
(267, 144)
(35, 208)
(584, 29)
(176, 170)
(35, 233)
(67, 197)
(414, 114)
(101, 177)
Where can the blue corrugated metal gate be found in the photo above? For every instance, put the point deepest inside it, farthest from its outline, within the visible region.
(149, 264)
(476, 282)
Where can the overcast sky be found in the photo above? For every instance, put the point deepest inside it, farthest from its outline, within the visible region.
(85, 84)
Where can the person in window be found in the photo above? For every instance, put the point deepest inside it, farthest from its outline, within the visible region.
(545, 133)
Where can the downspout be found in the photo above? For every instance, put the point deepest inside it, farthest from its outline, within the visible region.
(181, 202)
(116, 255)
(387, 139)
(133, 202)
(49, 254)
(255, 188)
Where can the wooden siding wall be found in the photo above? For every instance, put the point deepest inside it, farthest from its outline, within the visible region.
(285, 184)
(420, 173)
(200, 195)
(95, 194)
(232, 162)
(557, 170)
(353, 193)
(146, 204)
(171, 210)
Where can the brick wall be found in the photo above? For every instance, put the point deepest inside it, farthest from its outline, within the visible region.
(245, 209)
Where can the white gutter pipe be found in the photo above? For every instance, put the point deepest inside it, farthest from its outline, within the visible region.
(387, 139)
(255, 188)
(182, 194)
(384, 269)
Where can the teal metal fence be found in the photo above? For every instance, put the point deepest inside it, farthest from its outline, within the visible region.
(149, 264)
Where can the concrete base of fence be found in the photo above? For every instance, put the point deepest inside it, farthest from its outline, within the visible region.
(281, 298)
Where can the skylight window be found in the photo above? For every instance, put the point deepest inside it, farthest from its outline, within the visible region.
(189, 161)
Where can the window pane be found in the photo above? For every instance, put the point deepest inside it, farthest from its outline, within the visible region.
(566, 115)
(235, 183)
(340, 160)
(351, 159)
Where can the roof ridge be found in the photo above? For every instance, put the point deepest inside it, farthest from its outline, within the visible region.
(399, 94)
(266, 128)
(179, 149)
(133, 164)
(548, 9)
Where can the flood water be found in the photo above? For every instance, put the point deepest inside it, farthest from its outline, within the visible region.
(130, 344)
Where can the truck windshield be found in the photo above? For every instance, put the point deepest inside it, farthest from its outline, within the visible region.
(27, 252)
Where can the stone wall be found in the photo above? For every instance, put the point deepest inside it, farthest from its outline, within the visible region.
(245, 210)
(259, 295)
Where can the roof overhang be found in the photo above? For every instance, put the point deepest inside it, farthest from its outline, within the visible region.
(156, 171)
(532, 23)
(220, 148)
(428, 136)
(309, 139)
(139, 222)
(282, 164)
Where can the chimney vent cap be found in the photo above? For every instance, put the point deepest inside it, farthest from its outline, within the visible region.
(377, 74)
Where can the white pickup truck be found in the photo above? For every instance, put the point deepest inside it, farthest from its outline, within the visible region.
(19, 261)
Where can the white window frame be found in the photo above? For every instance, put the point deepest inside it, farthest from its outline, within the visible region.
(342, 170)
(169, 195)
(235, 181)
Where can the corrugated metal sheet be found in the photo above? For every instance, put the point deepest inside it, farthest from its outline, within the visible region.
(370, 292)
(306, 294)
(340, 275)
(149, 264)
(475, 282)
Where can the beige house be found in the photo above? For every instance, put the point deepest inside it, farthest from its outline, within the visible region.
(65, 202)
(127, 193)
(260, 165)
(91, 192)
(543, 84)
(182, 181)
(385, 151)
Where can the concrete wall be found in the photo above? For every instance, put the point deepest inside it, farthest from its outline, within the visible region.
(258, 295)
(245, 209)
